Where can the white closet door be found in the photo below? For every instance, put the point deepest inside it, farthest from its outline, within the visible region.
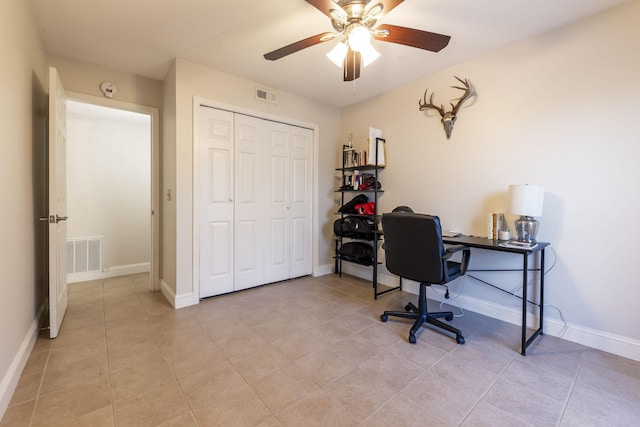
(278, 249)
(216, 202)
(255, 196)
(300, 212)
(250, 200)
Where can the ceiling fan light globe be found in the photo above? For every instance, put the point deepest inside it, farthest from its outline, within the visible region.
(337, 54)
(359, 38)
(369, 54)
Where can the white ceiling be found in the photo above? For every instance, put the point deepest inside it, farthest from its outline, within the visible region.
(143, 37)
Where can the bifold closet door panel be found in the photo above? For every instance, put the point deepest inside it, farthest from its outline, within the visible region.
(300, 211)
(216, 237)
(277, 213)
(250, 201)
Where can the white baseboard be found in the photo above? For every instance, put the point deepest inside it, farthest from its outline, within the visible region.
(323, 270)
(168, 293)
(185, 300)
(611, 343)
(116, 271)
(177, 301)
(10, 380)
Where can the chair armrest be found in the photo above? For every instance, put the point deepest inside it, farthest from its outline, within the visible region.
(450, 250)
(466, 254)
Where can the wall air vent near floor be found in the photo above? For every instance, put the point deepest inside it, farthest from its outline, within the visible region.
(84, 255)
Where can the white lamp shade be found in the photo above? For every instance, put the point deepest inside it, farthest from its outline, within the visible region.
(369, 54)
(337, 54)
(526, 200)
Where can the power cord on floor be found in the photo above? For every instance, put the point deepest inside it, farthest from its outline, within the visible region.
(514, 293)
(448, 297)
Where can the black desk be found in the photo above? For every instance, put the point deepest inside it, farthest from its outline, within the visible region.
(494, 245)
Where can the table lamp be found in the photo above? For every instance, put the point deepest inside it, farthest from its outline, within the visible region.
(526, 201)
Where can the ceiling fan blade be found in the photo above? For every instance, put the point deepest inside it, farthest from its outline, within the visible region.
(411, 37)
(352, 65)
(387, 6)
(325, 6)
(299, 45)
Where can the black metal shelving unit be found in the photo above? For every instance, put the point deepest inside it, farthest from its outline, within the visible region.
(374, 169)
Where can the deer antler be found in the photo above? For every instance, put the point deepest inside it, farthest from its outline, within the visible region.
(464, 97)
(423, 104)
(448, 117)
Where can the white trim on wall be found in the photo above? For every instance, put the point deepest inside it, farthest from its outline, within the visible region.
(600, 340)
(115, 271)
(10, 381)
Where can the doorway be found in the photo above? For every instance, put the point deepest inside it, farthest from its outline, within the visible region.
(111, 170)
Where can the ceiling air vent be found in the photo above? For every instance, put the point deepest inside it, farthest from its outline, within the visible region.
(265, 95)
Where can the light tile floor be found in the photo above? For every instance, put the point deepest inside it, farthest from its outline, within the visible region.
(306, 352)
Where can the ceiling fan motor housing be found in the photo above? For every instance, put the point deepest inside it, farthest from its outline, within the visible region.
(353, 11)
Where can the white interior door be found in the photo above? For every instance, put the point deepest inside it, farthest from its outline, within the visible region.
(216, 202)
(249, 202)
(277, 210)
(300, 205)
(57, 158)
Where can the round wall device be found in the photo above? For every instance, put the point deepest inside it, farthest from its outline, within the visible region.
(108, 89)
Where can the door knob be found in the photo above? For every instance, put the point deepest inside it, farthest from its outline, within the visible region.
(53, 219)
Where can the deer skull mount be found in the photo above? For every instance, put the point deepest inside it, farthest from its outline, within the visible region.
(448, 117)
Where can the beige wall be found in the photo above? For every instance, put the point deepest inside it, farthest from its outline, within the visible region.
(168, 180)
(193, 80)
(559, 110)
(80, 77)
(23, 78)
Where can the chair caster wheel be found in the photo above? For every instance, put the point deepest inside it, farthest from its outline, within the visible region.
(460, 339)
(384, 317)
(407, 307)
(412, 339)
(448, 318)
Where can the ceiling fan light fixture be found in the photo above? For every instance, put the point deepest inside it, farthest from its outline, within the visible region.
(337, 54)
(373, 12)
(369, 54)
(382, 33)
(359, 37)
(338, 15)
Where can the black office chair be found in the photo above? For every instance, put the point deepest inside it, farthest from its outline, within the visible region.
(414, 250)
(405, 209)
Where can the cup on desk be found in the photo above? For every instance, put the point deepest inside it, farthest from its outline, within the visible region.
(504, 235)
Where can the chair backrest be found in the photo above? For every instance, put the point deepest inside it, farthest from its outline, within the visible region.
(413, 246)
(402, 209)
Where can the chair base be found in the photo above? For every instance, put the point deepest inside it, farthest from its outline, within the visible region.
(421, 317)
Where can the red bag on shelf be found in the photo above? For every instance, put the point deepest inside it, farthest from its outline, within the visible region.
(368, 208)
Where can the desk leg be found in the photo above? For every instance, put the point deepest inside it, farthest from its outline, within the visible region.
(526, 342)
(525, 270)
(541, 289)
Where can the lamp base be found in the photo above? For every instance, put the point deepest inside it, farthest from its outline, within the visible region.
(527, 229)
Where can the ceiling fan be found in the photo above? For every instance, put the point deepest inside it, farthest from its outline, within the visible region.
(354, 22)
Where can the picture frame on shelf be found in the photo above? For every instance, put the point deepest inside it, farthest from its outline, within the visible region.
(376, 134)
